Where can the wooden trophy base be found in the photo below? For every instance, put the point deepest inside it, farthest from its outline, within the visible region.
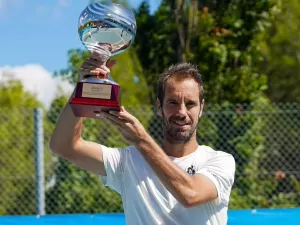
(93, 98)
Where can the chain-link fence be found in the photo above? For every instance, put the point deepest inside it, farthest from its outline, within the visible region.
(263, 138)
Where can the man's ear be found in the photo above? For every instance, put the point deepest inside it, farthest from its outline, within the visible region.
(201, 108)
(158, 108)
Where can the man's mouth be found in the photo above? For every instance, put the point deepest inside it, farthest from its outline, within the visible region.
(179, 123)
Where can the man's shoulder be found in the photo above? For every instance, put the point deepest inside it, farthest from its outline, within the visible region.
(219, 162)
(216, 155)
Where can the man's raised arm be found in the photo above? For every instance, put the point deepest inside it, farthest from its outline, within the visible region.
(67, 141)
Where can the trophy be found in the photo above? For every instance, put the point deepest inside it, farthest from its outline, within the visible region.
(105, 29)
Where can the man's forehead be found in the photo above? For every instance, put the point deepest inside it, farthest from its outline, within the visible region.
(188, 84)
(187, 88)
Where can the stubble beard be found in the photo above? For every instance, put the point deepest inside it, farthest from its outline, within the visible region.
(177, 136)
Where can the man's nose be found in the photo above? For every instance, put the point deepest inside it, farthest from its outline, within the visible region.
(182, 110)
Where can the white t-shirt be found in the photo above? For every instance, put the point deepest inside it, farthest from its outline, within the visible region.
(147, 202)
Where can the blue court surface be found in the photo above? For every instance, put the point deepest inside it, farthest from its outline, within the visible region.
(236, 217)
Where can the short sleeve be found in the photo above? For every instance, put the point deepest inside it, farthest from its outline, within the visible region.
(114, 160)
(220, 169)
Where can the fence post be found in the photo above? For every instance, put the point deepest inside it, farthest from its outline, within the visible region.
(39, 161)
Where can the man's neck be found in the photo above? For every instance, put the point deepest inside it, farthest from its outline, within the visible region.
(178, 150)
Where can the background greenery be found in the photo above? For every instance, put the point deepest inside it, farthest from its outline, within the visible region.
(248, 53)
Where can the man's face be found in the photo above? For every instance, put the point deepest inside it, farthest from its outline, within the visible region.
(180, 110)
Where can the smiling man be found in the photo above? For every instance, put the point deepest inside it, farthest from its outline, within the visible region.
(178, 183)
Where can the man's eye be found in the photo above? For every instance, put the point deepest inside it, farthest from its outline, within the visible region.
(191, 103)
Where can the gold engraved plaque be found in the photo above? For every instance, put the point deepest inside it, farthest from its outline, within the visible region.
(90, 90)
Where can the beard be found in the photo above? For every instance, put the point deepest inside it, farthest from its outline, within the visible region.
(177, 135)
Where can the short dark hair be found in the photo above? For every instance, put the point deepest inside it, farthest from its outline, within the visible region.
(180, 71)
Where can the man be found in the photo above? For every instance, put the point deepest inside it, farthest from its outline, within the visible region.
(178, 183)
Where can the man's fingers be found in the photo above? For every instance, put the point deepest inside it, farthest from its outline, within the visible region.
(102, 68)
(124, 115)
(114, 118)
(114, 124)
(96, 71)
(93, 63)
(106, 69)
(95, 66)
(111, 121)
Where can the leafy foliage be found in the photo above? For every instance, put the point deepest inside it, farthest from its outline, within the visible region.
(17, 155)
(219, 37)
(280, 48)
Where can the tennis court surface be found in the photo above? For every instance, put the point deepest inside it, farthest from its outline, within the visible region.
(236, 217)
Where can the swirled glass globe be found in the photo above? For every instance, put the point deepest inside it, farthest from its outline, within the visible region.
(106, 28)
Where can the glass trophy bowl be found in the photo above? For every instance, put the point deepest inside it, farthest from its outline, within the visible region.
(105, 29)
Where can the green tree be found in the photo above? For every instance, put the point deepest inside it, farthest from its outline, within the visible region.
(280, 47)
(218, 36)
(17, 149)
